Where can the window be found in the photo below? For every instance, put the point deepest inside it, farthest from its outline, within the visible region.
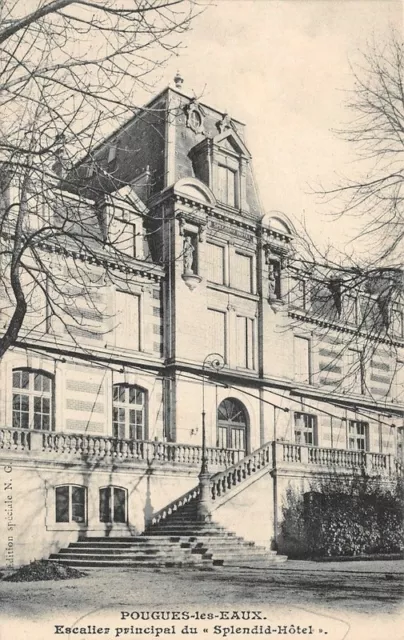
(370, 314)
(125, 237)
(35, 286)
(398, 382)
(113, 505)
(70, 502)
(354, 372)
(128, 412)
(242, 274)
(358, 435)
(350, 309)
(215, 263)
(305, 429)
(216, 332)
(302, 359)
(227, 186)
(231, 425)
(400, 443)
(397, 321)
(245, 342)
(32, 400)
(127, 321)
(297, 293)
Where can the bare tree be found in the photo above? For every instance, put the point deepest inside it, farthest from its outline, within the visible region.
(355, 295)
(376, 132)
(69, 73)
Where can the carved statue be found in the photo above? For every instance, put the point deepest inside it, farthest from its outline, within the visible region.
(271, 281)
(188, 253)
(274, 281)
(224, 123)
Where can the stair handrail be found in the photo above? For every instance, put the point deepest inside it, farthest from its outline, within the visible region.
(173, 506)
(221, 482)
(225, 480)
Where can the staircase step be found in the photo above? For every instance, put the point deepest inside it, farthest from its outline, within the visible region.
(257, 563)
(166, 542)
(93, 564)
(127, 556)
(178, 531)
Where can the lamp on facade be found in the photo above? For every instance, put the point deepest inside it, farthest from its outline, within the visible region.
(216, 362)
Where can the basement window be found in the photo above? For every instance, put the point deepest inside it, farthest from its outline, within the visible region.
(113, 505)
(70, 503)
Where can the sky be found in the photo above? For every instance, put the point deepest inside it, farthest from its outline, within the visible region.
(283, 68)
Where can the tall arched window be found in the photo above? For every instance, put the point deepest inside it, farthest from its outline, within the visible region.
(129, 412)
(32, 400)
(232, 425)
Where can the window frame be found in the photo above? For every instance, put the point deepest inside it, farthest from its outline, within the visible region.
(235, 284)
(347, 310)
(126, 407)
(31, 393)
(355, 436)
(111, 504)
(400, 444)
(215, 348)
(223, 186)
(304, 430)
(248, 341)
(307, 339)
(116, 332)
(223, 249)
(129, 228)
(301, 282)
(71, 519)
(359, 371)
(397, 309)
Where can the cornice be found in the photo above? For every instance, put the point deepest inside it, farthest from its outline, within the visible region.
(302, 316)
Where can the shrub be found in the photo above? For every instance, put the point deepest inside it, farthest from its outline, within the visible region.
(343, 516)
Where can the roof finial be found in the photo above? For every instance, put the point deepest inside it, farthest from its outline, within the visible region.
(178, 80)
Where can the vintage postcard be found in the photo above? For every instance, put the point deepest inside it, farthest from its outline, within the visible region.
(201, 319)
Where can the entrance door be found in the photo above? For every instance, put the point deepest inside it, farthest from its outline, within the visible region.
(232, 425)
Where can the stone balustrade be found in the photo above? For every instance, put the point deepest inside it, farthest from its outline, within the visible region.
(174, 506)
(249, 465)
(286, 453)
(82, 447)
(236, 466)
(15, 440)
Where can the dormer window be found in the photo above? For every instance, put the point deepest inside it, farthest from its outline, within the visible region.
(222, 164)
(227, 186)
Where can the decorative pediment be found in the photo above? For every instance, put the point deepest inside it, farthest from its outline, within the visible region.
(231, 142)
(278, 226)
(126, 197)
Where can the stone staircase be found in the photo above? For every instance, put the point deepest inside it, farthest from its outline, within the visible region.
(175, 537)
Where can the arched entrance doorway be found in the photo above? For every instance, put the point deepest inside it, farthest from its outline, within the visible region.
(232, 425)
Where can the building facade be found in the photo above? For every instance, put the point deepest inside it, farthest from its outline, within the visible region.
(207, 318)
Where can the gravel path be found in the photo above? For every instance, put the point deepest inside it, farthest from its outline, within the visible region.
(341, 599)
